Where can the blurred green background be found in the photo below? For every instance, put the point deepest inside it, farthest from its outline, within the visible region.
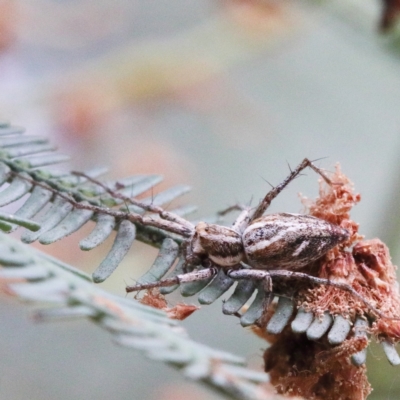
(217, 94)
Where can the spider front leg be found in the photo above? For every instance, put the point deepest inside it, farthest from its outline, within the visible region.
(194, 276)
(191, 258)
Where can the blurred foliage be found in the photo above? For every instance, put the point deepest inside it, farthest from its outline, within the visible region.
(155, 87)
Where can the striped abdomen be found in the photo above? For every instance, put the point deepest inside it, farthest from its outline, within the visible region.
(289, 241)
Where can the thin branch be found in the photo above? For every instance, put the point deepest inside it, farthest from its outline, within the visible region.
(148, 207)
(167, 225)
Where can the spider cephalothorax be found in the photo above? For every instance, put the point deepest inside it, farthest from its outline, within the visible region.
(220, 244)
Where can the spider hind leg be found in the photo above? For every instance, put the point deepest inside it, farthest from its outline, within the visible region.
(274, 192)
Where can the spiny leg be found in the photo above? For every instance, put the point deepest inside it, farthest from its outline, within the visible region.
(269, 296)
(178, 279)
(265, 203)
(235, 207)
(240, 222)
(259, 275)
(262, 275)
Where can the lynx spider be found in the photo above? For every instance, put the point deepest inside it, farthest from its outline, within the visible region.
(260, 247)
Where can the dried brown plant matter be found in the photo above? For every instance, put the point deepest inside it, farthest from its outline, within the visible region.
(390, 14)
(316, 370)
(154, 298)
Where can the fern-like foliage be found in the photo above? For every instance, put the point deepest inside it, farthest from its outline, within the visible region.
(70, 200)
(26, 168)
(66, 202)
(34, 276)
(60, 203)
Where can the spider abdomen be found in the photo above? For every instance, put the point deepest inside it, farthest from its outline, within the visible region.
(289, 241)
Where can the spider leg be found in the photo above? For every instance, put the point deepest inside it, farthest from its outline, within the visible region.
(235, 207)
(265, 277)
(269, 296)
(191, 260)
(178, 279)
(339, 285)
(257, 274)
(241, 221)
(265, 203)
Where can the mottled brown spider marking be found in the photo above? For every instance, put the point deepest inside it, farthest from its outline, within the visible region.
(221, 244)
(289, 241)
